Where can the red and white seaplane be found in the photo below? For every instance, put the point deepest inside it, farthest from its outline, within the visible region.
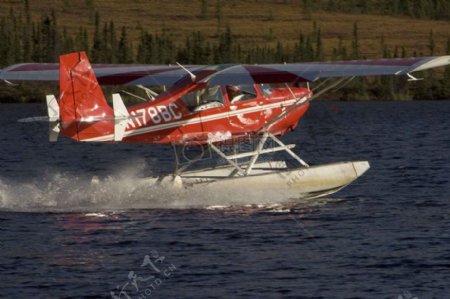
(208, 107)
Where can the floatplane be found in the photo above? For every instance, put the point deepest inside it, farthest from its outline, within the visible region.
(209, 107)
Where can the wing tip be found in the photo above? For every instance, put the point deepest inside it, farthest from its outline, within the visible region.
(429, 63)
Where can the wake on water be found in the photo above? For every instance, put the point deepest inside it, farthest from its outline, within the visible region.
(127, 190)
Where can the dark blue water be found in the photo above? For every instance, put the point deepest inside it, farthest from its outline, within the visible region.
(385, 236)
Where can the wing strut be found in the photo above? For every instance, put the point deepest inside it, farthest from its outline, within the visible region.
(412, 78)
(193, 77)
(240, 168)
(10, 83)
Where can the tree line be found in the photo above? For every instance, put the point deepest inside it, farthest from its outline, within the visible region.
(422, 9)
(25, 40)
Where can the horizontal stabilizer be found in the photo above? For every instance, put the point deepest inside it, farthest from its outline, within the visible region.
(52, 107)
(34, 119)
(53, 118)
(121, 117)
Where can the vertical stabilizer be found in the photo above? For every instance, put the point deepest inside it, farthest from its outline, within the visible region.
(84, 112)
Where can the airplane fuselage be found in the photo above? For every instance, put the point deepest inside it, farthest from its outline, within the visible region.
(201, 114)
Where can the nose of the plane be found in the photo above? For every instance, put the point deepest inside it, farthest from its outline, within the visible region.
(361, 167)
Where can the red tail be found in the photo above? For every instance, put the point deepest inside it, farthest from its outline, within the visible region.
(84, 111)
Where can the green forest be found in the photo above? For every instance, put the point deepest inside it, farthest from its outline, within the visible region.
(430, 9)
(27, 40)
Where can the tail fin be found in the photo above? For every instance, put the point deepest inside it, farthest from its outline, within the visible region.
(84, 112)
(80, 94)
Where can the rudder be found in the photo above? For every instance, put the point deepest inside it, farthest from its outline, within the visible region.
(82, 104)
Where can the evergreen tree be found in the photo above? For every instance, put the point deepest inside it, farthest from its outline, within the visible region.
(67, 43)
(431, 45)
(355, 42)
(144, 46)
(197, 50)
(112, 41)
(55, 40)
(43, 40)
(5, 56)
(98, 47)
(319, 53)
(224, 50)
(14, 26)
(81, 42)
(26, 34)
(124, 50)
(46, 40)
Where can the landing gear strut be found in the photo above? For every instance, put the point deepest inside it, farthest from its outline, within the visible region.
(242, 168)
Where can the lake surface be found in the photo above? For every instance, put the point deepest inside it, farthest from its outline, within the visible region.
(385, 236)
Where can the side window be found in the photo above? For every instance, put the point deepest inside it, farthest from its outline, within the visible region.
(238, 93)
(205, 98)
(212, 94)
(266, 89)
(191, 100)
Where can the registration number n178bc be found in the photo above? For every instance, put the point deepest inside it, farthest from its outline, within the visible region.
(154, 114)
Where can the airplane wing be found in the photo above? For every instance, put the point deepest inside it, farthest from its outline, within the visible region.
(302, 72)
(107, 74)
(133, 74)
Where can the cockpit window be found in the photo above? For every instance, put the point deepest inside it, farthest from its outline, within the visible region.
(237, 93)
(266, 89)
(205, 98)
